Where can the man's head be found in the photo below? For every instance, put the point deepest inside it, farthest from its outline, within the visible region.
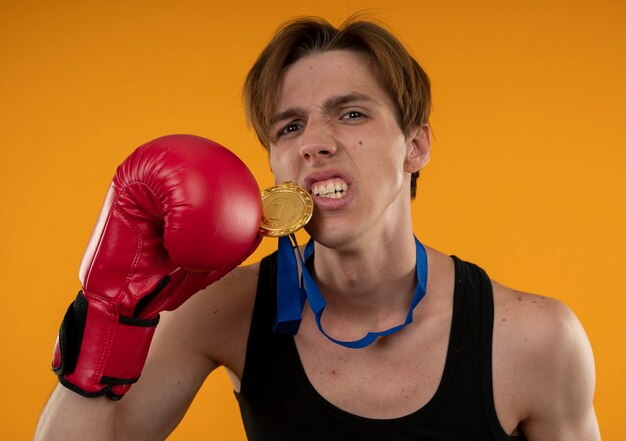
(401, 76)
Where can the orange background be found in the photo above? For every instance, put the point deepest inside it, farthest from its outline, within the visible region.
(526, 177)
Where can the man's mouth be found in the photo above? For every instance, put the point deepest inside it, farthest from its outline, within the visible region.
(333, 188)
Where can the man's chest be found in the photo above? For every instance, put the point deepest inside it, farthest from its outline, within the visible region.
(393, 377)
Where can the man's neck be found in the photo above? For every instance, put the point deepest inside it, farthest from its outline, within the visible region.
(373, 278)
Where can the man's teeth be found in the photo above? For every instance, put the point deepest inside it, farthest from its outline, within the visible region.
(333, 190)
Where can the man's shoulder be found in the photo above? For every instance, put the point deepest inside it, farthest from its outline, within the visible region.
(540, 352)
(241, 278)
(538, 320)
(232, 297)
(220, 314)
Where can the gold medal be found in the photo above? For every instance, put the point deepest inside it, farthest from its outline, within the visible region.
(286, 209)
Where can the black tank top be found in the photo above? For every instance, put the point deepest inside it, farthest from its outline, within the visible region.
(278, 402)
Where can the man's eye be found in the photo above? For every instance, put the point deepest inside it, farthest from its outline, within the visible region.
(353, 114)
(288, 129)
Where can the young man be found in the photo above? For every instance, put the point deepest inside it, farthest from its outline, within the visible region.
(344, 114)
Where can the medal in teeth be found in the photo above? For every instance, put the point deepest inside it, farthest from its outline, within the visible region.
(286, 209)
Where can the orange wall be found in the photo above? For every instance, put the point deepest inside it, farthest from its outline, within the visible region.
(526, 177)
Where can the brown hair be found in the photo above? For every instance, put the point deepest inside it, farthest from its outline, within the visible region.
(403, 78)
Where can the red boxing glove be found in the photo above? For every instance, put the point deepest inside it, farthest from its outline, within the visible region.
(181, 212)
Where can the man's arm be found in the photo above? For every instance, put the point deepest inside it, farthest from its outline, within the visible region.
(68, 415)
(209, 330)
(544, 374)
(150, 410)
(562, 401)
(180, 213)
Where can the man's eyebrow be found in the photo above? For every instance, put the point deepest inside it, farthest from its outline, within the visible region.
(289, 113)
(329, 104)
(339, 100)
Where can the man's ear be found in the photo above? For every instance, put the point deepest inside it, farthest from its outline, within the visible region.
(418, 149)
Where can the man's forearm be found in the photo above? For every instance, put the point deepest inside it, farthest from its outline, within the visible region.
(69, 416)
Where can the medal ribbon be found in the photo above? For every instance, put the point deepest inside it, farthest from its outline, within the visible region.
(292, 294)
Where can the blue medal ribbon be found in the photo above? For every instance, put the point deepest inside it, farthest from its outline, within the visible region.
(292, 295)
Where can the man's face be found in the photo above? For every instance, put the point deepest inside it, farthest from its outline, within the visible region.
(335, 133)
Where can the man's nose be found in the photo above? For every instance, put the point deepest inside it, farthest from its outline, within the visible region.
(317, 142)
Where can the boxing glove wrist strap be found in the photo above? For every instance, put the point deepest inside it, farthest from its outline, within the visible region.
(98, 348)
